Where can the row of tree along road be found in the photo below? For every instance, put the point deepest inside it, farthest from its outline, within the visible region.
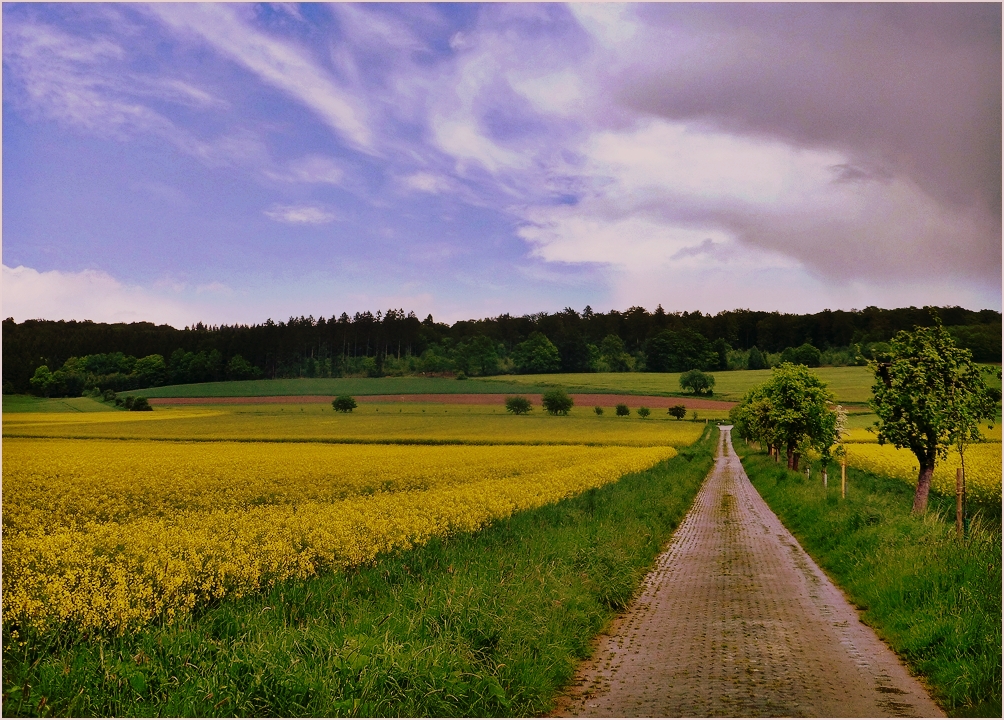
(929, 396)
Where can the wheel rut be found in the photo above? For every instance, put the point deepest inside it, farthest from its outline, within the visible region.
(737, 620)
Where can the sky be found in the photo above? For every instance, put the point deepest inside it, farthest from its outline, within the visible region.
(228, 163)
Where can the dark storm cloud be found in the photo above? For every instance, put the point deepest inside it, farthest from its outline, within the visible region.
(916, 86)
(901, 89)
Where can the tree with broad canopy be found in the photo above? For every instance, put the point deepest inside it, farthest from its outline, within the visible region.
(928, 395)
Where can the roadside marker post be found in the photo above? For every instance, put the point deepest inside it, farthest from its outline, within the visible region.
(824, 478)
(958, 503)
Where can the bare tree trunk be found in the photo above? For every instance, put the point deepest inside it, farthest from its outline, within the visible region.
(923, 488)
(795, 458)
(792, 458)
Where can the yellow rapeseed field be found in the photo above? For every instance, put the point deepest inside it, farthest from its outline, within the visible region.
(369, 423)
(983, 467)
(106, 533)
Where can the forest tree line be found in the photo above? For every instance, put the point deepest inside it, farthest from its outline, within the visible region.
(122, 356)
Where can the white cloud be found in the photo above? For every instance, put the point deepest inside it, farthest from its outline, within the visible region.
(427, 182)
(277, 63)
(300, 214)
(311, 169)
(610, 23)
(214, 288)
(462, 138)
(86, 295)
(559, 93)
(85, 83)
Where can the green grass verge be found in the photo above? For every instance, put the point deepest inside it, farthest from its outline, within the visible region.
(934, 600)
(29, 403)
(851, 385)
(485, 624)
(337, 386)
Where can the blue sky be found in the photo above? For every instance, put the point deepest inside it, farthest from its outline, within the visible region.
(229, 163)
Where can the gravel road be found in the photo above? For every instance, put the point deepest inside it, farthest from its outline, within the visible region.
(737, 620)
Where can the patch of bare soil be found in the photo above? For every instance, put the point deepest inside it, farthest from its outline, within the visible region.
(736, 620)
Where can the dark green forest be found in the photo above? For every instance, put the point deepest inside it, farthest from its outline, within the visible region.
(67, 357)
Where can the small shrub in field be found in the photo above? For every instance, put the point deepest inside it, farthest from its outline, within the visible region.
(461, 375)
(623, 410)
(694, 416)
(128, 402)
(517, 405)
(699, 383)
(598, 410)
(140, 404)
(344, 403)
(678, 411)
(644, 412)
(109, 395)
(557, 402)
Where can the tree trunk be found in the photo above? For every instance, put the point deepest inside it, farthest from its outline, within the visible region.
(795, 460)
(923, 488)
(792, 458)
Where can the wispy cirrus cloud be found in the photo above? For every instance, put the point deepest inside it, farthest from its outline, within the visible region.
(310, 169)
(278, 63)
(300, 215)
(86, 83)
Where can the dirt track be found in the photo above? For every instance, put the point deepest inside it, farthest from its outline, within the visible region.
(581, 399)
(737, 620)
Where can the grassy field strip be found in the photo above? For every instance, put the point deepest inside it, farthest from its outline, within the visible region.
(118, 534)
(28, 403)
(935, 600)
(386, 424)
(849, 384)
(340, 386)
(490, 623)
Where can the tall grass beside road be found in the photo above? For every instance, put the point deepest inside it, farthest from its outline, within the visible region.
(488, 623)
(934, 599)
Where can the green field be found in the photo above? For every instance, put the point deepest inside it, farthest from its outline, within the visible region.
(30, 404)
(339, 386)
(849, 384)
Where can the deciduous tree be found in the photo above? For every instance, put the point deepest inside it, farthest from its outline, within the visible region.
(344, 403)
(697, 382)
(537, 354)
(791, 411)
(557, 402)
(928, 395)
(518, 405)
